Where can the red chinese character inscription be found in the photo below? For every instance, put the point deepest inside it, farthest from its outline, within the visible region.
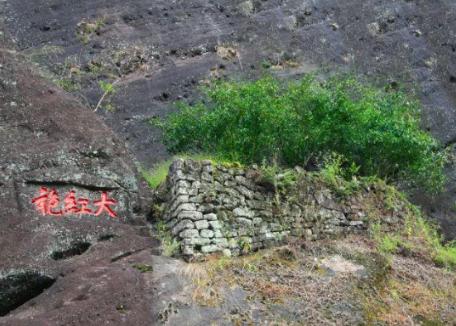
(48, 201)
(104, 205)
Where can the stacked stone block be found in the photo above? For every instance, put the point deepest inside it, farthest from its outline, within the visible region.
(213, 208)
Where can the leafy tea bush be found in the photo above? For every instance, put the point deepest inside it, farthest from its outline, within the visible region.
(293, 123)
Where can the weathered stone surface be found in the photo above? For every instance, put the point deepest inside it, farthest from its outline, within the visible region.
(221, 242)
(178, 201)
(218, 234)
(203, 224)
(227, 252)
(192, 215)
(210, 217)
(244, 221)
(182, 225)
(415, 46)
(192, 233)
(48, 139)
(207, 233)
(242, 212)
(209, 249)
(339, 265)
(259, 224)
(215, 225)
(195, 241)
(184, 207)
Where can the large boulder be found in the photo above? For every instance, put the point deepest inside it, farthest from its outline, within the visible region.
(70, 198)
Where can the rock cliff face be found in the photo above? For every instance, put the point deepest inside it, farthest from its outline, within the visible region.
(212, 208)
(161, 50)
(51, 146)
(63, 261)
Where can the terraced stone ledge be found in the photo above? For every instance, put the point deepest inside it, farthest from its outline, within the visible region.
(213, 208)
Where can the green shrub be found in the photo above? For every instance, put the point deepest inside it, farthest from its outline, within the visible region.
(375, 130)
(442, 254)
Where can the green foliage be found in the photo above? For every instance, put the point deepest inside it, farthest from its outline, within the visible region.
(106, 87)
(442, 254)
(68, 84)
(375, 131)
(143, 268)
(159, 172)
(389, 244)
(446, 256)
(417, 237)
(245, 245)
(342, 181)
(393, 197)
(282, 179)
(169, 244)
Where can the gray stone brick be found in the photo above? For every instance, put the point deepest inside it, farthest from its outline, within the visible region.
(203, 224)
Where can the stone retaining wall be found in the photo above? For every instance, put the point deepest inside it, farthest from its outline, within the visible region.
(211, 208)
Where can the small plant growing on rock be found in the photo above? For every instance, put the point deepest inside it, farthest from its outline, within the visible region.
(85, 29)
(108, 90)
(245, 245)
(342, 181)
(169, 244)
(143, 268)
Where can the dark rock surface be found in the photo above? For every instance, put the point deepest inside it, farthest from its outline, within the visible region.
(160, 51)
(47, 139)
(79, 270)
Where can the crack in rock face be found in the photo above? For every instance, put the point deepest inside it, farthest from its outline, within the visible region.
(16, 289)
(76, 249)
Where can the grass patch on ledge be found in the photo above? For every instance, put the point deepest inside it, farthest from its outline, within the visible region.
(158, 173)
(417, 238)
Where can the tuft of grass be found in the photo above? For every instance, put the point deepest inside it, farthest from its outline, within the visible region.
(143, 268)
(342, 180)
(158, 173)
(68, 84)
(417, 237)
(169, 244)
(85, 29)
(109, 89)
(389, 244)
(446, 256)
